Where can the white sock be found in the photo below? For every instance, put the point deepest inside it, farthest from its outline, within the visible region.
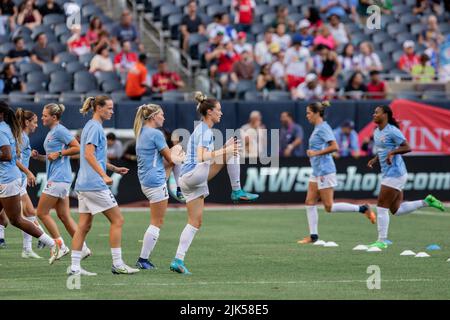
(382, 223)
(313, 219)
(150, 239)
(176, 173)
(344, 206)
(60, 240)
(186, 238)
(117, 257)
(410, 206)
(45, 239)
(2, 231)
(234, 172)
(28, 239)
(76, 260)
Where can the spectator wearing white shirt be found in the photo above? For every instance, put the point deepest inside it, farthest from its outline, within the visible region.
(368, 60)
(114, 147)
(101, 61)
(338, 30)
(298, 63)
(311, 89)
(280, 37)
(262, 52)
(278, 69)
(242, 44)
(348, 59)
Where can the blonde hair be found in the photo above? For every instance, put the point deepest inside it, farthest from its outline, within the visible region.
(204, 103)
(55, 109)
(319, 107)
(144, 113)
(24, 115)
(92, 102)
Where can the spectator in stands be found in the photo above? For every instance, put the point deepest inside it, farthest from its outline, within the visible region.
(78, 44)
(325, 37)
(8, 8)
(304, 33)
(165, 80)
(348, 59)
(347, 140)
(228, 28)
(265, 81)
(291, 137)
(214, 50)
(244, 11)
(130, 151)
(432, 52)
(338, 30)
(283, 18)
(6, 23)
(41, 52)
(191, 23)
(376, 88)
(50, 7)
(280, 37)
(28, 15)
(101, 62)
(432, 33)
(114, 147)
(368, 60)
(103, 40)
(311, 89)
(93, 32)
(125, 60)
(126, 31)
(262, 52)
(136, 85)
(253, 136)
(423, 71)
(355, 88)
(422, 6)
(242, 44)
(409, 57)
(327, 66)
(19, 54)
(215, 26)
(298, 63)
(278, 69)
(10, 79)
(368, 147)
(313, 15)
(243, 69)
(337, 7)
(225, 61)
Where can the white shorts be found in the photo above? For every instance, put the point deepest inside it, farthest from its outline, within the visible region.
(10, 189)
(156, 194)
(324, 182)
(395, 182)
(95, 201)
(57, 189)
(194, 184)
(23, 187)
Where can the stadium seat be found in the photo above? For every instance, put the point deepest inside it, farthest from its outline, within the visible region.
(399, 9)
(215, 9)
(409, 95)
(26, 68)
(261, 10)
(21, 31)
(66, 57)
(268, 18)
(155, 7)
(86, 59)
(54, 19)
(17, 96)
(70, 97)
(277, 95)
(31, 87)
(435, 95)
(173, 95)
(61, 76)
(253, 96)
(166, 12)
(37, 76)
(58, 87)
(107, 76)
(402, 37)
(6, 47)
(82, 87)
(111, 85)
(45, 97)
(391, 46)
(194, 40)
(416, 29)
(75, 66)
(173, 23)
(57, 47)
(50, 67)
(396, 56)
(61, 28)
(91, 10)
(380, 37)
(64, 37)
(119, 96)
(181, 3)
(396, 28)
(409, 19)
(244, 86)
(39, 29)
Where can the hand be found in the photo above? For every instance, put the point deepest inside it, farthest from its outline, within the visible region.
(53, 156)
(107, 180)
(121, 170)
(371, 163)
(177, 154)
(31, 179)
(233, 146)
(311, 153)
(287, 152)
(389, 158)
(35, 154)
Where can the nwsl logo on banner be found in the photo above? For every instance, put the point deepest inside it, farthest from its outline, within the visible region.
(427, 128)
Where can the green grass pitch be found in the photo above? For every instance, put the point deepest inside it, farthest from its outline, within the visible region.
(246, 254)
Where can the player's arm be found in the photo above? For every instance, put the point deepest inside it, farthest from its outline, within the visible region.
(89, 155)
(372, 162)
(5, 153)
(36, 156)
(232, 146)
(332, 147)
(30, 176)
(402, 149)
(119, 170)
(74, 148)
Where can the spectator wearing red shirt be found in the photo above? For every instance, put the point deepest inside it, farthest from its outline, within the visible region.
(77, 43)
(125, 60)
(165, 80)
(95, 27)
(226, 59)
(244, 14)
(409, 58)
(376, 88)
(136, 85)
(313, 16)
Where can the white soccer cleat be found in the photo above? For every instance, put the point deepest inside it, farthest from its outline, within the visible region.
(408, 253)
(319, 243)
(422, 255)
(331, 244)
(86, 253)
(30, 254)
(374, 249)
(361, 247)
(54, 251)
(123, 269)
(61, 252)
(80, 272)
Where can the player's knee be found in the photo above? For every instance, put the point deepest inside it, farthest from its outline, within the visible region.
(118, 222)
(310, 202)
(328, 207)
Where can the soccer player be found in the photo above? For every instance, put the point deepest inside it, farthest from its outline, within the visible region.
(59, 145)
(390, 144)
(151, 149)
(91, 186)
(322, 144)
(11, 179)
(202, 164)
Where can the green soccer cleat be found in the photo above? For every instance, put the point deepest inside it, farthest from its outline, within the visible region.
(240, 196)
(177, 265)
(433, 202)
(378, 244)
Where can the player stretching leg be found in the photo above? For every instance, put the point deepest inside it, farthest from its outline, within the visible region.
(151, 149)
(202, 164)
(322, 144)
(390, 144)
(92, 183)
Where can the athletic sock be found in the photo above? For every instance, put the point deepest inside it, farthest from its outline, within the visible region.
(186, 238)
(410, 206)
(76, 260)
(45, 239)
(344, 207)
(2, 231)
(28, 239)
(176, 173)
(234, 172)
(313, 219)
(150, 239)
(61, 243)
(117, 257)
(382, 223)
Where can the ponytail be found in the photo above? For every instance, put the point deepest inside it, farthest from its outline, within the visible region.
(91, 103)
(319, 107)
(391, 120)
(144, 113)
(23, 116)
(204, 103)
(55, 109)
(10, 118)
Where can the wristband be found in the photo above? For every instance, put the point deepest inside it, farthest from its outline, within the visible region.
(60, 154)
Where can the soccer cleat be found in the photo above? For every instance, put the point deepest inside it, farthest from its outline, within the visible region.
(145, 264)
(433, 202)
(86, 253)
(80, 272)
(177, 265)
(239, 196)
(54, 252)
(123, 269)
(26, 254)
(40, 245)
(3, 244)
(307, 240)
(370, 214)
(378, 244)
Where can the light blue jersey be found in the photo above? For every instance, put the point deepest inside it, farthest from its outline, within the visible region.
(25, 152)
(320, 137)
(88, 179)
(8, 169)
(201, 137)
(386, 140)
(151, 170)
(58, 139)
